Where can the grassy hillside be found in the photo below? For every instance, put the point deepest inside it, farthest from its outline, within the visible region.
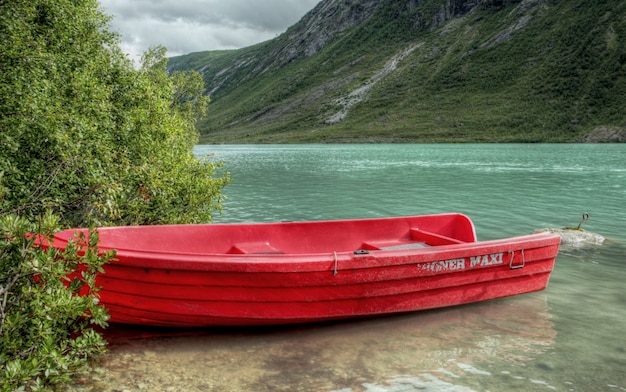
(499, 71)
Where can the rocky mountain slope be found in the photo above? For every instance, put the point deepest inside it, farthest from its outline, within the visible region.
(424, 71)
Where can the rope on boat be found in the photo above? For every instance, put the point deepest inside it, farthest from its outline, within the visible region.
(335, 270)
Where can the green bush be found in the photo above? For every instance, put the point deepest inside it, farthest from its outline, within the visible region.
(88, 135)
(46, 328)
(87, 140)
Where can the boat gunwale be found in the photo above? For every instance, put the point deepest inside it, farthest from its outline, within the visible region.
(216, 226)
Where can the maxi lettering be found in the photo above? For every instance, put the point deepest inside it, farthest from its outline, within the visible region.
(485, 260)
(461, 264)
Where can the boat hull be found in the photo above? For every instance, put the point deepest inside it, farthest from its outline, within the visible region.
(260, 288)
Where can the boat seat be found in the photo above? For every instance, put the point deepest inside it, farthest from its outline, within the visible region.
(433, 239)
(262, 248)
(392, 245)
(405, 245)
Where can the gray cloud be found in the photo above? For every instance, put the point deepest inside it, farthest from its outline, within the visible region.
(185, 26)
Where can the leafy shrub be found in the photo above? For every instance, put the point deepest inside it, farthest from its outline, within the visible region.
(88, 135)
(46, 328)
(87, 140)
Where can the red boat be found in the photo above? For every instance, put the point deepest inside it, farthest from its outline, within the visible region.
(298, 272)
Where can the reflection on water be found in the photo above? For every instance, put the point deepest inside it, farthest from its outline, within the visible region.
(454, 349)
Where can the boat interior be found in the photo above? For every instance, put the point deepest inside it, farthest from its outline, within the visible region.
(292, 237)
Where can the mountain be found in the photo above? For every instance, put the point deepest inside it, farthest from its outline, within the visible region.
(425, 71)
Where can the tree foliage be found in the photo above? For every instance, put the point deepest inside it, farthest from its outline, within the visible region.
(86, 140)
(86, 133)
(46, 327)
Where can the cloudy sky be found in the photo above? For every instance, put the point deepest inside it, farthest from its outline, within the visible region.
(185, 26)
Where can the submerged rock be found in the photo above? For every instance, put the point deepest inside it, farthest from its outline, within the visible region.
(576, 238)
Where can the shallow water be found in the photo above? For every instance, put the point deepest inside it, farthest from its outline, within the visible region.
(570, 337)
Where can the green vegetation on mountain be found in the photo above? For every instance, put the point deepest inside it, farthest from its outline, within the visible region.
(424, 71)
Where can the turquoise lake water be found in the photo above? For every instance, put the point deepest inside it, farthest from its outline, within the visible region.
(570, 337)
